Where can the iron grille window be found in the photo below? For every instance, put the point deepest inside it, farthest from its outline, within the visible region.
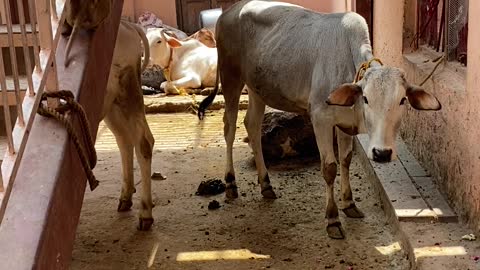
(443, 25)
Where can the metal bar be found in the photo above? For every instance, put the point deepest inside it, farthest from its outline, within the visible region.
(430, 17)
(26, 52)
(444, 30)
(36, 46)
(447, 32)
(13, 59)
(416, 39)
(46, 238)
(442, 24)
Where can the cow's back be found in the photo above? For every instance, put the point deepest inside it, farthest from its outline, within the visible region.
(278, 46)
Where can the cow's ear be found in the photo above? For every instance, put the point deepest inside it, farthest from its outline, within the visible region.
(345, 95)
(174, 43)
(171, 41)
(421, 100)
(208, 33)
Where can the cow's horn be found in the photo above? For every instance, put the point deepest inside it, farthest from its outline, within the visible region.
(162, 32)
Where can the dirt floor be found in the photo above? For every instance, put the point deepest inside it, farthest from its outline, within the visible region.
(250, 233)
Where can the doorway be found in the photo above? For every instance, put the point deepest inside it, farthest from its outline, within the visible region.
(188, 12)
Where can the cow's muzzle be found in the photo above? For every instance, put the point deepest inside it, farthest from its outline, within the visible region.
(382, 155)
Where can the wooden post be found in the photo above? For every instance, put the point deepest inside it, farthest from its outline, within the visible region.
(13, 59)
(36, 47)
(2, 12)
(26, 53)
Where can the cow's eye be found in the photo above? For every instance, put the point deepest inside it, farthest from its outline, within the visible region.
(159, 42)
(365, 100)
(402, 102)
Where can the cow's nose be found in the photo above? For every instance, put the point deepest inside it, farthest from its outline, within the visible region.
(382, 155)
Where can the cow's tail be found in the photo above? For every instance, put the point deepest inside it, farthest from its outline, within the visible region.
(143, 37)
(208, 100)
(146, 46)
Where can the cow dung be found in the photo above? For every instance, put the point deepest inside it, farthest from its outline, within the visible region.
(210, 187)
(286, 134)
(213, 205)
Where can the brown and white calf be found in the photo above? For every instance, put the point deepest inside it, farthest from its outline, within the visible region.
(205, 36)
(124, 114)
(298, 60)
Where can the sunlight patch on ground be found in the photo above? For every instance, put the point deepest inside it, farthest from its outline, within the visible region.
(177, 132)
(151, 259)
(390, 249)
(237, 254)
(436, 251)
(419, 212)
(438, 211)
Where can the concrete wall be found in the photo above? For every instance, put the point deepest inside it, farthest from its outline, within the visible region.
(446, 142)
(388, 23)
(166, 9)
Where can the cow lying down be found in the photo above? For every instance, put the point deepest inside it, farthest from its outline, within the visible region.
(301, 61)
(188, 63)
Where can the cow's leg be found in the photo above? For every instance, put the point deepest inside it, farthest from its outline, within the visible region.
(125, 145)
(324, 134)
(126, 119)
(143, 150)
(232, 89)
(253, 124)
(345, 148)
(188, 82)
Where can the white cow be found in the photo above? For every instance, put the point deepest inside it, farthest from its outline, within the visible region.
(298, 60)
(189, 63)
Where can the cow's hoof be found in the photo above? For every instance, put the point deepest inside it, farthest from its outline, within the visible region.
(124, 205)
(231, 192)
(144, 224)
(335, 231)
(206, 91)
(353, 212)
(268, 193)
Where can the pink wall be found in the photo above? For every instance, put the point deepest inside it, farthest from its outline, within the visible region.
(325, 5)
(447, 141)
(391, 40)
(166, 9)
